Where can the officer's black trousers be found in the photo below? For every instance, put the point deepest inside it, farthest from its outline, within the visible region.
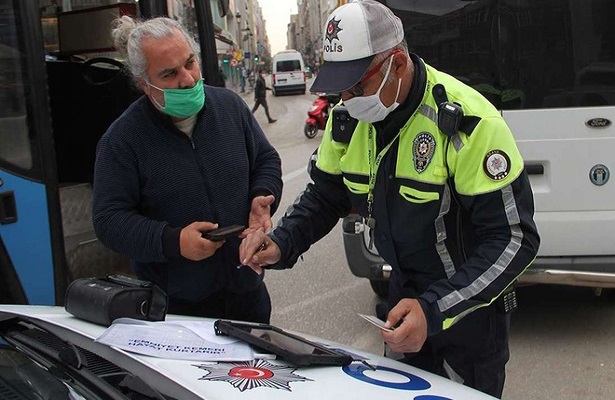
(254, 306)
(475, 349)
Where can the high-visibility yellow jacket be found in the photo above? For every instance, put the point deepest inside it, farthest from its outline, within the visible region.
(453, 214)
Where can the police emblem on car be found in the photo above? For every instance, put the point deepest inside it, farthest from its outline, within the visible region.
(253, 374)
(423, 148)
(496, 165)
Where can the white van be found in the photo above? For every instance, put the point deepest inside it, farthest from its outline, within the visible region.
(288, 72)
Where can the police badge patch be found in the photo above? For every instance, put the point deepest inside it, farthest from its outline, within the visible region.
(333, 28)
(496, 165)
(423, 148)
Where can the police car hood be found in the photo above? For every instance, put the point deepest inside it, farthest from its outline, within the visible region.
(258, 379)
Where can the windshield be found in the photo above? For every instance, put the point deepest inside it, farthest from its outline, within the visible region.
(288, 66)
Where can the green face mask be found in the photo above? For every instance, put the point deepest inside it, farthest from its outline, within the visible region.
(182, 103)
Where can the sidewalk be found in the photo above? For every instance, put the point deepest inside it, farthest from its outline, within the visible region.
(248, 98)
(247, 95)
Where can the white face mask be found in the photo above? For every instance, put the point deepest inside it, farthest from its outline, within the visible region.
(370, 108)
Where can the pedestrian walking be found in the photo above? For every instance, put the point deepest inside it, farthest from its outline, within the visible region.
(260, 95)
(243, 77)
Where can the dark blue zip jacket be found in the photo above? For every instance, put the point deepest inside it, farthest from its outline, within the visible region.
(151, 180)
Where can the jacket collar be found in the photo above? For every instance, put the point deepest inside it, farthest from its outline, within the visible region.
(389, 127)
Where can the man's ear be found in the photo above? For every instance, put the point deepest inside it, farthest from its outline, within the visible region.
(400, 64)
(143, 85)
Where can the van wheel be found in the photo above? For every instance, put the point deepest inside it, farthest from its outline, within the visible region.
(381, 288)
(275, 93)
(310, 131)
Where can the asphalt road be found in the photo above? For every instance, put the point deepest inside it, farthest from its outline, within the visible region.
(561, 337)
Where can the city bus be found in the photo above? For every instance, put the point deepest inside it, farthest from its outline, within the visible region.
(61, 85)
(549, 67)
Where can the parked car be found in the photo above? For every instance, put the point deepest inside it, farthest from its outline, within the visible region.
(557, 96)
(46, 353)
(288, 75)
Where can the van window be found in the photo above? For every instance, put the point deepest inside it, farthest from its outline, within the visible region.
(288, 66)
(520, 54)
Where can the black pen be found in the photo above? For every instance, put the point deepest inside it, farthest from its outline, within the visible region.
(368, 365)
(260, 248)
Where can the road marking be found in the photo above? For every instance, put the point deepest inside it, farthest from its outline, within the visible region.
(293, 175)
(326, 298)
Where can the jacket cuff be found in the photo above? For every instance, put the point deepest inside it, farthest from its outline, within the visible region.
(170, 242)
(259, 192)
(283, 263)
(433, 316)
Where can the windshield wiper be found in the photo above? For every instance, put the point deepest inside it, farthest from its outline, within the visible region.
(71, 363)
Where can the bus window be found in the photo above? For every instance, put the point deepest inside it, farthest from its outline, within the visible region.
(85, 97)
(14, 140)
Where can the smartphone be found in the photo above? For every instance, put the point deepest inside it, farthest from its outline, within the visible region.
(224, 233)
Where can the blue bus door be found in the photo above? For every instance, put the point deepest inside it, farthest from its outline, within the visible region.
(32, 267)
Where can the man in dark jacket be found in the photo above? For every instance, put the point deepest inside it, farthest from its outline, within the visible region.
(260, 95)
(182, 160)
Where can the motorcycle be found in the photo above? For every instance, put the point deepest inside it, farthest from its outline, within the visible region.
(318, 113)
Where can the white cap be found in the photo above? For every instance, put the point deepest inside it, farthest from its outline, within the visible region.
(354, 34)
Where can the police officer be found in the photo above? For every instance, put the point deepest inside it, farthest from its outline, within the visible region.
(434, 170)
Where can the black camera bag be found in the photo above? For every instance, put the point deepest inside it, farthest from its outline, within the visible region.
(101, 300)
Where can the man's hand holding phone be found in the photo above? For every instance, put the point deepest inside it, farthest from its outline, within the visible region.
(192, 245)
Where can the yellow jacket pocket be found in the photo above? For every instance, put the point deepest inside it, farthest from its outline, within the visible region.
(356, 188)
(417, 196)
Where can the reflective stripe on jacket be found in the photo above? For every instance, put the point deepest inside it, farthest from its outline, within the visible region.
(454, 216)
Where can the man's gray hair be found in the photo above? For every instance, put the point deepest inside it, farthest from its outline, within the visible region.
(128, 35)
(403, 46)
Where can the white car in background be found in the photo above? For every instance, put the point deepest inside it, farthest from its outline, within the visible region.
(288, 74)
(46, 353)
